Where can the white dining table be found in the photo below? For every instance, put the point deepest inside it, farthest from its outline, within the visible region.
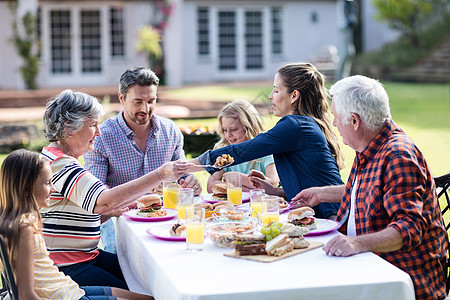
(166, 270)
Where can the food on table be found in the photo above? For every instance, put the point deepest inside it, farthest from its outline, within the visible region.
(279, 245)
(232, 214)
(206, 206)
(250, 244)
(150, 206)
(271, 230)
(283, 203)
(219, 191)
(223, 160)
(222, 234)
(222, 204)
(178, 230)
(303, 216)
(296, 233)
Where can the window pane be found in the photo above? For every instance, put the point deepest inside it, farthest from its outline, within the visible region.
(117, 33)
(60, 41)
(277, 32)
(90, 41)
(203, 31)
(227, 40)
(253, 40)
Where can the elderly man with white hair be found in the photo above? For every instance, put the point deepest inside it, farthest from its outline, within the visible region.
(389, 204)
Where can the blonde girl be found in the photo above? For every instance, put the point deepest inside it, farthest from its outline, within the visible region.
(240, 121)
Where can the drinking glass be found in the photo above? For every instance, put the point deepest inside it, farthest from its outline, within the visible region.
(255, 202)
(170, 188)
(234, 187)
(185, 199)
(270, 209)
(195, 228)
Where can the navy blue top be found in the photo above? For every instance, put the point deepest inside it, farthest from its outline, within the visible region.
(302, 157)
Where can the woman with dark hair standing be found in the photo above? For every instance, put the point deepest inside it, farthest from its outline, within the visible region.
(304, 147)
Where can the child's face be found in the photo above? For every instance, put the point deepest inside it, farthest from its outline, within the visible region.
(233, 130)
(43, 186)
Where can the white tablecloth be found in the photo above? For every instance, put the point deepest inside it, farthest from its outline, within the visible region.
(166, 270)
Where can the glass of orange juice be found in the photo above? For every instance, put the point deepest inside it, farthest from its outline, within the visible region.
(185, 199)
(195, 228)
(170, 188)
(234, 187)
(255, 202)
(270, 209)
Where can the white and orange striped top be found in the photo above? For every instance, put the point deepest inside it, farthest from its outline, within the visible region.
(71, 229)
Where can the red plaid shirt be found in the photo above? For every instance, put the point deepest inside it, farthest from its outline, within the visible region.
(395, 189)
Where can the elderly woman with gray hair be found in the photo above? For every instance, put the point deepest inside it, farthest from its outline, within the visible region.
(72, 220)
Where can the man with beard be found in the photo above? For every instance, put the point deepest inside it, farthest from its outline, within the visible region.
(136, 141)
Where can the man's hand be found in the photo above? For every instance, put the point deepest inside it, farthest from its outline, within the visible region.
(308, 197)
(173, 170)
(191, 182)
(342, 245)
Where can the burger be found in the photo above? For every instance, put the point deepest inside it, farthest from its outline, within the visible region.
(249, 244)
(148, 204)
(303, 216)
(219, 191)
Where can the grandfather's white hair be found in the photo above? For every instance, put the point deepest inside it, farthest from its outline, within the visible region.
(364, 96)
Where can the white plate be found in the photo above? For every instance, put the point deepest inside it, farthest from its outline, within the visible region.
(133, 215)
(162, 232)
(324, 226)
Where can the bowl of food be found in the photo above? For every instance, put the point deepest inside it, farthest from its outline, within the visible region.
(223, 232)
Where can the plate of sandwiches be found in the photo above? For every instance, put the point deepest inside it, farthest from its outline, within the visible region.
(220, 194)
(304, 216)
(168, 232)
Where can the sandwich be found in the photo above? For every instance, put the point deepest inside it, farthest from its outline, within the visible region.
(296, 233)
(223, 204)
(219, 191)
(178, 230)
(303, 216)
(207, 206)
(249, 244)
(279, 245)
(148, 204)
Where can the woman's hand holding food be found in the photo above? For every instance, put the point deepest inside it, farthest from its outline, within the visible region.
(259, 181)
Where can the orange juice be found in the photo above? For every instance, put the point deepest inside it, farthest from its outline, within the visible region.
(170, 197)
(235, 195)
(195, 232)
(268, 217)
(182, 210)
(256, 208)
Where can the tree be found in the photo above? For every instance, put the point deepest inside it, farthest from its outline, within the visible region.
(408, 16)
(27, 46)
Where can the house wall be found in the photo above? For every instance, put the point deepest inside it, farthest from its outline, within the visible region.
(10, 77)
(301, 37)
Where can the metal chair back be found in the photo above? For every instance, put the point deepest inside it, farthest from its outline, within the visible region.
(443, 185)
(8, 281)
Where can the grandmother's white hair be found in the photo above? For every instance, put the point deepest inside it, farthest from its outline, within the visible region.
(67, 112)
(364, 96)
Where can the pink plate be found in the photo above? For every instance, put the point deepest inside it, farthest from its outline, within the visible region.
(323, 227)
(209, 198)
(162, 232)
(132, 214)
(283, 210)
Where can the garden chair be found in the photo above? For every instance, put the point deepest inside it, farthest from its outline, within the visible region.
(443, 185)
(9, 288)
